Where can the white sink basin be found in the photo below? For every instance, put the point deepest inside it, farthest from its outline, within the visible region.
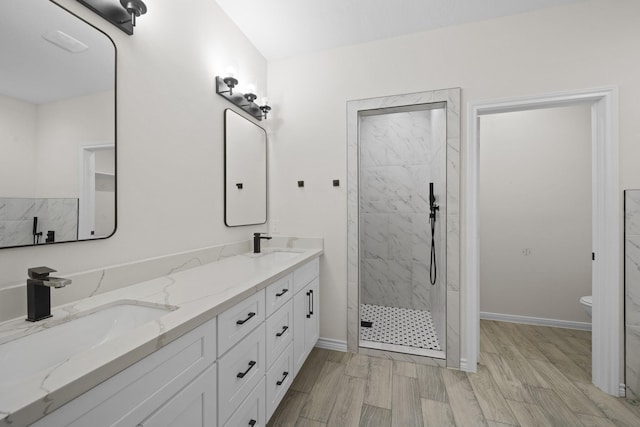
(275, 255)
(28, 355)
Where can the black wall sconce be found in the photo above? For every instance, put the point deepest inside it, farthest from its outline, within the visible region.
(246, 101)
(121, 13)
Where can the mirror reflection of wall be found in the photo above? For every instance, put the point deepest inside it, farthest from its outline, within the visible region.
(57, 94)
(245, 171)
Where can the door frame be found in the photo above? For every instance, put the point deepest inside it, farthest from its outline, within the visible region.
(86, 205)
(607, 285)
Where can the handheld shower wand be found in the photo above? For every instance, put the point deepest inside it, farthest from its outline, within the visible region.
(36, 234)
(433, 208)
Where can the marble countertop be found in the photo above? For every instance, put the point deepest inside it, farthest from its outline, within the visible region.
(199, 294)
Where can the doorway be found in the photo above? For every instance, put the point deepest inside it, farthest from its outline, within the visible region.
(606, 283)
(535, 216)
(96, 208)
(419, 104)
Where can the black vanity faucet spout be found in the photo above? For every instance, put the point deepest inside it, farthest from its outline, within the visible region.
(256, 242)
(39, 286)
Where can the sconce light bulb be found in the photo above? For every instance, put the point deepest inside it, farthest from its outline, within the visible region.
(265, 110)
(250, 96)
(230, 79)
(265, 101)
(251, 89)
(135, 8)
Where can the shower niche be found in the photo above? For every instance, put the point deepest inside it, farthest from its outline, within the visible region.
(403, 227)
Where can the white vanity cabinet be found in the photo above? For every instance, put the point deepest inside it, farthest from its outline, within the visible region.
(305, 312)
(239, 372)
(194, 405)
(173, 382)
(280, 329)
(289, 331)
(233, 370)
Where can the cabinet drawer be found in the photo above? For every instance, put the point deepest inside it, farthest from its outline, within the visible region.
(193, 406)
(279, 332)
(252, 411)
(279, 378)
(305, 274)
(278, 293)
(235, 323)
(239, 371)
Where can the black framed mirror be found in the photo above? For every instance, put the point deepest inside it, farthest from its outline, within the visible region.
(57, 126)
(245, 171)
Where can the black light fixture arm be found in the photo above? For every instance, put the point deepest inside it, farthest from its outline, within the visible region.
(231, 82)
(121, 13)
(134, 8)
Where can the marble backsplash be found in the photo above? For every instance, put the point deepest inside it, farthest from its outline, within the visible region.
(632, 292)
(13, 300)
(17, 214)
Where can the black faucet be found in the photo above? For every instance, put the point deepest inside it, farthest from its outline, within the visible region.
(39, 286)
(256, 242)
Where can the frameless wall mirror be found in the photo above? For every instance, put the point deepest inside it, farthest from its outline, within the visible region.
(245, 171)
(57, 126)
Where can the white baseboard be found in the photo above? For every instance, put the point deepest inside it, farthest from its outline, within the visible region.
(330, 344)
(463, 364)
(623, 390)
(538, 321)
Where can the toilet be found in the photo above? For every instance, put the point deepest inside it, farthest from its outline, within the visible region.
(586, 302)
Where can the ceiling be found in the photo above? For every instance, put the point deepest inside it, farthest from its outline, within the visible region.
(35, 70)
(284, 28)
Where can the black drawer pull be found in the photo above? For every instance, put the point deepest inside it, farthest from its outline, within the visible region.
(312, 301)
(309, 305)
(252, 423)
(284, 329)
(242, 374)
(284, 291)
(284, 377)
(249, 316)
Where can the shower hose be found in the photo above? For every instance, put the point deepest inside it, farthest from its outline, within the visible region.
(433, 268)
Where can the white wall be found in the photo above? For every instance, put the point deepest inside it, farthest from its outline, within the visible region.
(535, 212)
(42, 143)
(584, 45)
(18, 136)
(170, 138)
(62, 127)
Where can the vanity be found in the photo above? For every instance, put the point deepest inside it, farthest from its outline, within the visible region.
(215, 345)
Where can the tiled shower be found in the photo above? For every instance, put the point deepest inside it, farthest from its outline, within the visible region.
(59, 216)
(632, 292)
(402, 151)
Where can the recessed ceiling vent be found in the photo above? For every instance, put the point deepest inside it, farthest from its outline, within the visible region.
(65, 41)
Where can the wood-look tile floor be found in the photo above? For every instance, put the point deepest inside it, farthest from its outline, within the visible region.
(527, 376)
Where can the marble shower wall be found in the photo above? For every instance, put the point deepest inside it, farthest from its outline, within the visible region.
(632, 292)
(16, 220)
(400, 154)
(451, 268)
